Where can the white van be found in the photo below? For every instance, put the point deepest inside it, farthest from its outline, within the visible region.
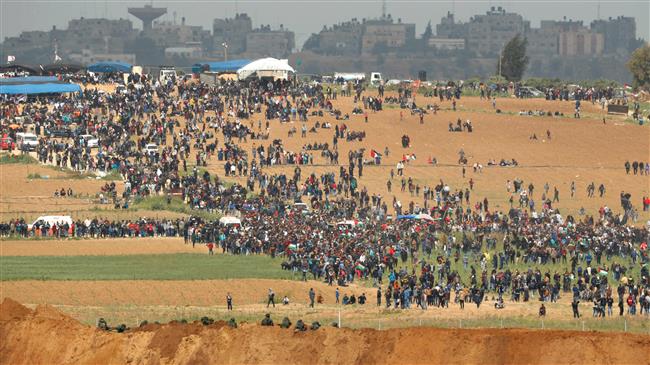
(90, 141)
(26, 141)
(51, 220)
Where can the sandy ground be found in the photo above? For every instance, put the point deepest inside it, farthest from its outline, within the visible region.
(581, 150)
(129, 246)
(23, 342)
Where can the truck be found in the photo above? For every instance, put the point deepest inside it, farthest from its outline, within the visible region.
(374, 78)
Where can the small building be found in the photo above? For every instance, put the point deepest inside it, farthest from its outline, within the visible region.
(184, 52)
(447, 43)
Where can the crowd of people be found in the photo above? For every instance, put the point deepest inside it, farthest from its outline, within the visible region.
(160, 137)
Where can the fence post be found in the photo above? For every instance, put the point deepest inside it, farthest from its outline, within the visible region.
(502, 322)
(583, 326)
(379, 323)
(420, 323)
(339, 318)
(542, 324)
(460, 323)
(625, 322)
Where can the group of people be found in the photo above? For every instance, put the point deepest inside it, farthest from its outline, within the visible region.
(151, 133)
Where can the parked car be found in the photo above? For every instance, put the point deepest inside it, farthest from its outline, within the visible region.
(50, 220)
(6, 143)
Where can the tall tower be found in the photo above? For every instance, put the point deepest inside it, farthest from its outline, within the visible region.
(147, 14)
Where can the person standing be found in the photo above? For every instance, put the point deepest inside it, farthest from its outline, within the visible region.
(574, 306)
(337, 295)
(229, 301)
(379, 297)
(312, 297)
(271, 298)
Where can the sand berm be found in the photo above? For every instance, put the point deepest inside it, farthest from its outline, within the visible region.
(46, 336)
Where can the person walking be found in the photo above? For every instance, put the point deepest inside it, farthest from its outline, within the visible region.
(229, 301)
(312, 296)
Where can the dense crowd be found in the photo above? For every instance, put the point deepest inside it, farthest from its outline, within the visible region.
(150, 132)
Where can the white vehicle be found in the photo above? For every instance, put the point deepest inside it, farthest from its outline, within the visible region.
(150, 148)
(230, 221)
(376, 79)
(166, 73)
(300, 208)
(90, 141)
(349, 76)
(26, 141)
(51, 220)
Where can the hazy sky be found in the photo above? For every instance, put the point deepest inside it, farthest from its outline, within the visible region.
(308, 16)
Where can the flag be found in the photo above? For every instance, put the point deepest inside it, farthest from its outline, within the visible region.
(374, 154)
(627, 87)
(11, 59)
(57, 58)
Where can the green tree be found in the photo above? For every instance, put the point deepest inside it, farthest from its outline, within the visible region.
(513, 60)
(639, 66)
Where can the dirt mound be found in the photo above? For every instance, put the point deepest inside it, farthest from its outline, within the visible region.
(10, 309)
(30, 337)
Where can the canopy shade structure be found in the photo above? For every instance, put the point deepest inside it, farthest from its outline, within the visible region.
(56, 68)
(30, 89)
(266, 67)
(28, 80)
(224, 66)
(18, 68)
(110, 67)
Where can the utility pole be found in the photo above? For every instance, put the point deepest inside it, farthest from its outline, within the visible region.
(383, 9)
(225, 50)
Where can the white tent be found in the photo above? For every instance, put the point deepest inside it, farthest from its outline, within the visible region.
(267, 67)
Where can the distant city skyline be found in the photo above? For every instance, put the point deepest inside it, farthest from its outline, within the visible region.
(307, 17)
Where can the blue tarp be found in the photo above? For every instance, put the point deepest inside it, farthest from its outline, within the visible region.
(28, 80)
(407, 216)
(224, 66)
(110, 67)
(28, 89)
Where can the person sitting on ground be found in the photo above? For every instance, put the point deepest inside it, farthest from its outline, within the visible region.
(267, 321)
(300, 326)
(542, 311)
(353, 299)
(286, 323)
(285, 300)
(315, 325)
(232, 323)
